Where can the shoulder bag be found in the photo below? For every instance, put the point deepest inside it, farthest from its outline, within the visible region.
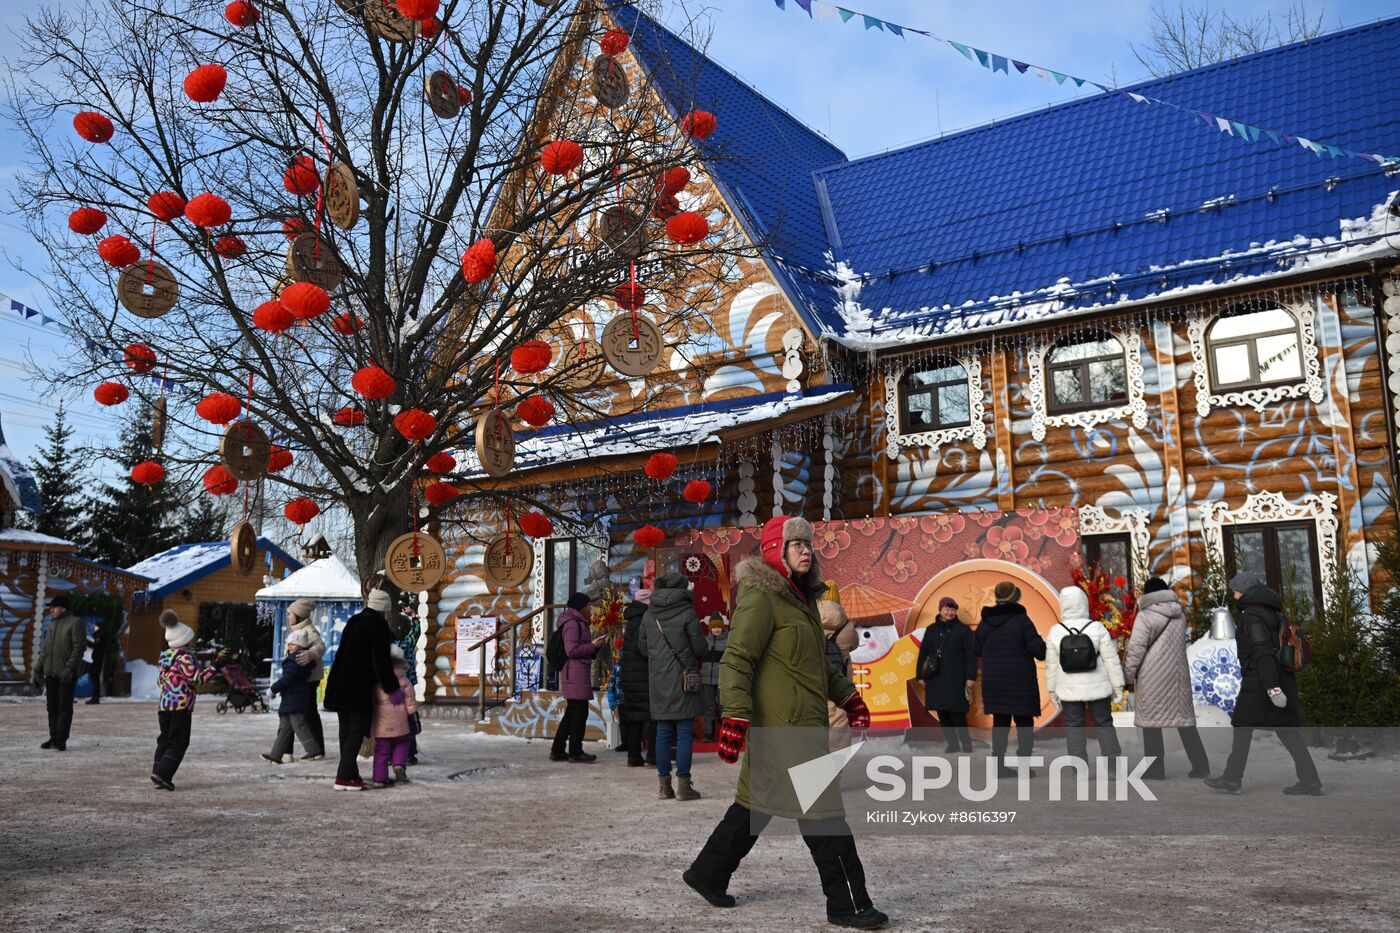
(690, 676)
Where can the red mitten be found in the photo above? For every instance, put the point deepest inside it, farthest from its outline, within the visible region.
(857, 714)
(732, 733)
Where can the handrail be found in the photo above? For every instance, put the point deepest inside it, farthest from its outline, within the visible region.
(516, 624)
(513, 630)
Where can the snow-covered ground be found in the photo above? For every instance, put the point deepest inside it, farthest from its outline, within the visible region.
(492, 836)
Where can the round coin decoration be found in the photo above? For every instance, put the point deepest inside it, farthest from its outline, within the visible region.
(311, 258)
(342, 195)
(387, 22)
(245, 450)
(632, 344)
(509, 560)
(147, 289)
(624, 232)
(580, 365)
(243, 548)
(609, 82)
(495, 442)
(415, 562)
(443, 99)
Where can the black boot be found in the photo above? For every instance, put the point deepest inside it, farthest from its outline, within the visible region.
(867, 919)
(716, 898)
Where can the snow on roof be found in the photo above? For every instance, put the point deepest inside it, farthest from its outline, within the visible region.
(327, 578)
(20, 536)
(179, 566)
(18, 481)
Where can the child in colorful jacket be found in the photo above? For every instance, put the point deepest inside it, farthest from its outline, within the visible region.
(179, 674)
(391, 732)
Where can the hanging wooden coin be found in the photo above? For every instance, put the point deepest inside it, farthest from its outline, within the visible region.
(342, 195)
(495, 442)
(387, 22)
(509, 559)
(415, 562)
(245, 450)
(243, 548)
(632, 344)
(311, 258)
(158, 425)
(147, 289)
(280, 285)
(442, 95)
(624, 231)
(610, 85)
(580, 365)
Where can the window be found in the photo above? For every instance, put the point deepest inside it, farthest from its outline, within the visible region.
(566, 568)
(1086, 374)
(1254, 348)
(1284, 554)
(1110, 553)
(934, 398)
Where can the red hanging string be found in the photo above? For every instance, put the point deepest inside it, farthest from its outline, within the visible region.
(632, 281)
(151, 263)
(321, 189)
(510, 521)
(497, 388)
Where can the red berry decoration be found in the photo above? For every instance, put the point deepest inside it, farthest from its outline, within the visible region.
(614, 42)
(110, 393)
(305, 300)
(140, 358)
(118, 251)
(208, 210)
(687, 228)
(696, 491)
(415, 424)
(442, 462)
(561, 156)
(661, 465)
(648, 536)
(205, 83)
(87, 220)
(301, 177)
(536, 411)
(630, 296)
(218, 408)
(666, 207)
(439, 493)
(350, 416)
(535, 525)
(273, 318)
(300, 511)
(279, 459)
(230, 247)
(241, 13)
(699, 124)
(418, 9)
(167, 205)
(373, 382)
(346, 323)
(673, 180)
(532, 356)
(218, 482)
(147, 473)
(93, 126)
(479, 261)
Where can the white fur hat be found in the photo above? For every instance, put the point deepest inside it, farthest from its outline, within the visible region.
(179, 635)
(379, 601)
(301, 637)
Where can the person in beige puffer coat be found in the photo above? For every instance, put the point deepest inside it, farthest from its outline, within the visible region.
(1158, 669)
(836, 623)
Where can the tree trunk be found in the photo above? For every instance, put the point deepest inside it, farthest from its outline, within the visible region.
(377, 523)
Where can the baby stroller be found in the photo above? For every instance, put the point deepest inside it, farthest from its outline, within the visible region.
(242, 692)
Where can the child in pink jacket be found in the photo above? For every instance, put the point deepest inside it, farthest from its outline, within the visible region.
(392, 737)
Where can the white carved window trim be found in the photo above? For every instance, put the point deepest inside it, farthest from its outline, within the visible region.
(1260, 398)
(537, 572)
(975, 430)
(1134, 409)
(1132, 522)
(1268, 507)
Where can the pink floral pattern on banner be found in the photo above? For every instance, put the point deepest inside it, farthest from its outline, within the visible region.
(831, 540)
(899, 565)
(942, 527)
(1006, 543)
(985, 519)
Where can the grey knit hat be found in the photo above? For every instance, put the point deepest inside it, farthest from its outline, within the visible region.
(1244, 581)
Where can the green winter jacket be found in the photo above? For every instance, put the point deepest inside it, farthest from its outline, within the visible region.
(65, 640)
(673, 609)
(774, 673)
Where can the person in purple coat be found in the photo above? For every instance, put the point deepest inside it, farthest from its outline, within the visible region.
(575, 681)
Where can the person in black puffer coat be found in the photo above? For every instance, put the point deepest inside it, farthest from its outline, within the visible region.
(948, 693)
(1268, 697)
(636, 705)
(1009, 646)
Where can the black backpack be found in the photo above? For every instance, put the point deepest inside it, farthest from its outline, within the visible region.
(1077, 652)
(555, 652)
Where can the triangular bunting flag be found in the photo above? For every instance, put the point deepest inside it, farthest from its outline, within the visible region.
(1059, 78)
(1273, 137)
(1224, 125)
(1078, 82)
(983, 58)
(779, 4)
(967, 52)
(1137, 97)
(845, 14)
(1000, 64)
(806, 5)
(1020, 66)
(897, 30)
(871, 22)
(29, 312)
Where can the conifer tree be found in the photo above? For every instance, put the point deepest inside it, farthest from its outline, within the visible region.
(60, 479)
(127, 521)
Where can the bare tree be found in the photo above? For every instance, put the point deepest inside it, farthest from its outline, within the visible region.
(1189, 37)
(345, 85)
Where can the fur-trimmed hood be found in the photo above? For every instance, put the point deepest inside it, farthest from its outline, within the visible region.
(1158, 598)
(756, 572)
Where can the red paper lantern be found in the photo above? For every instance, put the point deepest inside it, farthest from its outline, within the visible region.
(415, 424)
(301, 511)
(532, 356)
(440, 493)
(147, 473)
(661, 465)
(350, 416)
(442, 462)
(699, 124)
(479, 261)
(535, 525)
(273, 318)
(418, 9)
(118, 251)
(687, 228)
(87, 220)
(218, 408)
(673, 180)
(305, 300)
(294, 227)
(464, 95)
(561, 156)
(301, 176)
(614, 42)
(536, 411)
(110, 393)
(208, 210)
(230, 247)
(93, 126)
(346, 323)
(373, 382)
(218, 482)
(630, 296)
(648, 536)
(205, 83)
(666, 207)
(140, 358)
(696, 491)
(279, 459)
(428, 28)
(241, 13)
(167, 205)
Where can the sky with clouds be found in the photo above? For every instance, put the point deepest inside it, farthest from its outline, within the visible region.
(866, 90)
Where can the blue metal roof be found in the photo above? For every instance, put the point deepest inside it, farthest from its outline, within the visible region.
(176, 568)
(1091, 202)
